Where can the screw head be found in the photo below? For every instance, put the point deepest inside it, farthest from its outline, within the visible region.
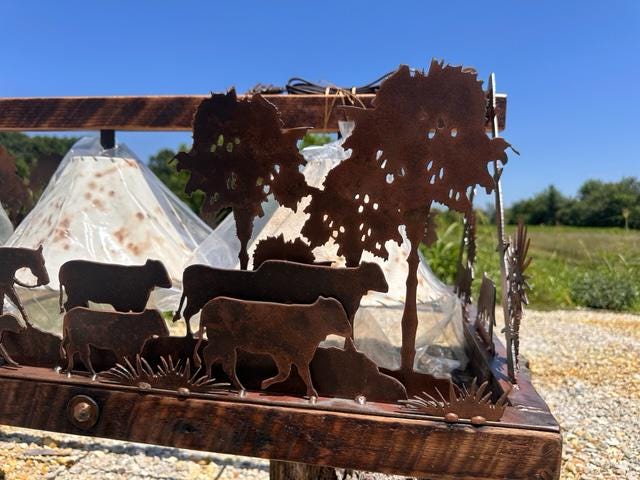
(83, 412)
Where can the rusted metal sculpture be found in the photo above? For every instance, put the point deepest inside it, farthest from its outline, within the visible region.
(277, 248)
(34, 347)
(13, 259)
(8, 323)
(486, 313)
(290, 334)
(466, 260)
(126, 288)
(347, 373)
(424, 142)
(14, 195)
(279, 281)
(240, 155)
(517, 261)
(169, 375)
(335, 372)
(473, 404)
(124, 334)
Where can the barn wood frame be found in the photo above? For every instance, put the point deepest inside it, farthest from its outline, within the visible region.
(525, 444)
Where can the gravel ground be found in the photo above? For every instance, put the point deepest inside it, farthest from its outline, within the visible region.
(585, 364)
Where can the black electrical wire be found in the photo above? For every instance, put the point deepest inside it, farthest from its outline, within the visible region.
(298, 86)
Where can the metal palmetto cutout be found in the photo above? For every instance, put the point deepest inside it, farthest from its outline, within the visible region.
(473, 403)
(240, 155)
(517, 261)
(168, 375)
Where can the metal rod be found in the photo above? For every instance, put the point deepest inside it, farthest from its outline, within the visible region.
(502, 245)
(108, 139)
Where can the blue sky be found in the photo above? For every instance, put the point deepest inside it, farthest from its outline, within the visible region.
(571, 68)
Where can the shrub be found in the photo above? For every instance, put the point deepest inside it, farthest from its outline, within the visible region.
(605, 288)
(442, 256)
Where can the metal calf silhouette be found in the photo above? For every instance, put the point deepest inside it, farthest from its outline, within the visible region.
(13, 259)
(290, 334)
(8, 323)
(121, 333)
(280, 281)
(126, 288)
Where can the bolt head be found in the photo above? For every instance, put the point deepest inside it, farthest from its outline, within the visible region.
(451, 417)
(478, 420)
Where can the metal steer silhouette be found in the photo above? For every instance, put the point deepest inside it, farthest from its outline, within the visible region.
(279, 281)
(126, 288)
(290, 334)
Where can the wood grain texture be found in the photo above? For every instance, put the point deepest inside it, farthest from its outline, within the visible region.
(403, 446)
(166, 113)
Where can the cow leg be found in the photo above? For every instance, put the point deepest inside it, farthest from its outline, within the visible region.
(229, 366)
(186, 316)
(303, 370)
(70, 354)
(210, 356)
(187, 321)
(284, 369)
(85, 356)
(13, 296)
(7, 357)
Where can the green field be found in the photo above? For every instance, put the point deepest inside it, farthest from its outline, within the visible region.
(604, 262)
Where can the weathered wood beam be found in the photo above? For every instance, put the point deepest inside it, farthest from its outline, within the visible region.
(405, 446)
(165, 113)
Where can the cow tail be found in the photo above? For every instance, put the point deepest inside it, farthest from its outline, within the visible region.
(176, 316)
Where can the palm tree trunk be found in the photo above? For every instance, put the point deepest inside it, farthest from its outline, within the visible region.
(410, 313)
(244, 228)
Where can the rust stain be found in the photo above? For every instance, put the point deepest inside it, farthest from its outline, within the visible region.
(120, 234)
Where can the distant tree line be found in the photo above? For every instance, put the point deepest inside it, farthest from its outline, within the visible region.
(597, 204)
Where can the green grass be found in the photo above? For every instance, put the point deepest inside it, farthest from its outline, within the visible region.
(560, 256)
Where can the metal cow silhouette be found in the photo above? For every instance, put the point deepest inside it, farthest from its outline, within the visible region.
(290, 334)
(279, 281)
(126, 288)
(13, 259)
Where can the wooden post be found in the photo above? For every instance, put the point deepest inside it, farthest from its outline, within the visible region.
(300, 471)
